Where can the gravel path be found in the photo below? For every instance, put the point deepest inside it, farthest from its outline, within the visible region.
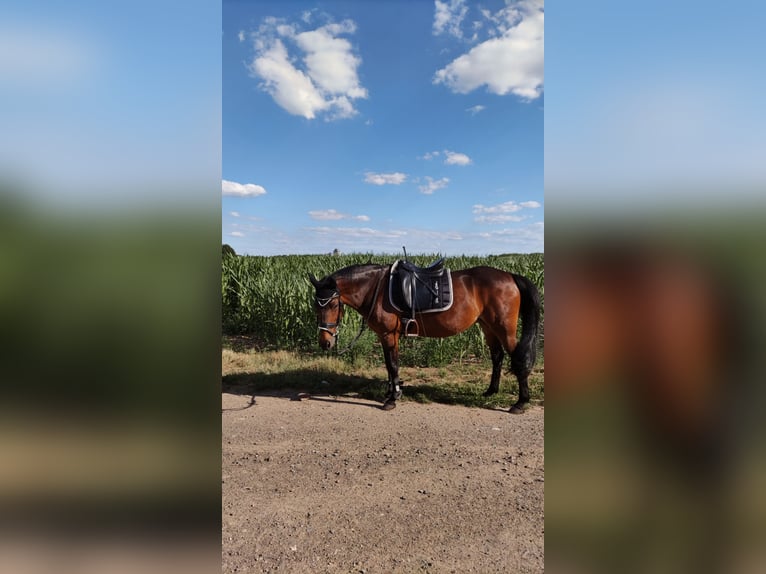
(325, 485)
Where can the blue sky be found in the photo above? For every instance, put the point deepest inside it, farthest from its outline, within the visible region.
(106, 105)
(366, 126)
(655, 107)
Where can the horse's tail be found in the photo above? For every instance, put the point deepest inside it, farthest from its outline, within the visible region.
(524, 355)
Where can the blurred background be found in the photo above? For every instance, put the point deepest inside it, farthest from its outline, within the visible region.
(655, 203)
(110, 160)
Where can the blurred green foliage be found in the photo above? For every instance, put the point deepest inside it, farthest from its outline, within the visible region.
(110, 312)
(110, 367)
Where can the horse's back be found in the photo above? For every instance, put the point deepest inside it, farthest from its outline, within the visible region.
(484, 278)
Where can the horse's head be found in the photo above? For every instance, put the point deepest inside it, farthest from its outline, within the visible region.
(328, 308)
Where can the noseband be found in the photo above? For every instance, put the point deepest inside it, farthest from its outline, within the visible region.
(323, 302)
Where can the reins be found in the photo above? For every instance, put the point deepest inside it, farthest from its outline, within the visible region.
(366, 319)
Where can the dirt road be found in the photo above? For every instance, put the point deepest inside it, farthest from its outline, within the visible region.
(338, 485)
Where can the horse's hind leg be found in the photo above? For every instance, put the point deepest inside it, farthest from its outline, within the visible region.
(521, 366)
(497, 354)
(521, 405)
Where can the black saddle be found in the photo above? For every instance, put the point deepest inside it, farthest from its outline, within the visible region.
(413, 289)
(436, 268)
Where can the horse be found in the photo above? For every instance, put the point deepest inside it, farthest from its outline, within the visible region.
(490, 297)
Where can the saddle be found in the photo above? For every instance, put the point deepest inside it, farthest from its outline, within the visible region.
(413, 290)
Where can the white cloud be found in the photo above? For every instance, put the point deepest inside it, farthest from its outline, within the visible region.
(326, 214)
(237, 234)
(324, 81)
(386, 240)
(432, 235)
(510, 62)
(501, 213)
(285, 30)
(532, 234)
(241, 36)
(324, 238)
(507, 207)
(498, 218)
(433, 185)
(395, 178)
(359, 232)
(241, 189)
(473, 110)
(455, 158)
(234, 213)
(330, 61)
(451, 157)
(331, 214)
(448, 16)
(291, 89)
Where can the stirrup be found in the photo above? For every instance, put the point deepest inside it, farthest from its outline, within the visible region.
(407, 324)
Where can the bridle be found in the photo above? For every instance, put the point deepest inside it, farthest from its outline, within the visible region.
(322, 302)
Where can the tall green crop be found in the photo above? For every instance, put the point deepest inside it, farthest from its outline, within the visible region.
(271, 299)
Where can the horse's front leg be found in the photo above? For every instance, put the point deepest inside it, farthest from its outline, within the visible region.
(390, 345)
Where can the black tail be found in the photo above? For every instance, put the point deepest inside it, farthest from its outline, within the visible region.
(524, 355)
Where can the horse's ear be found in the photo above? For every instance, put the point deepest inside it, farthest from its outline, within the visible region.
(314, 280)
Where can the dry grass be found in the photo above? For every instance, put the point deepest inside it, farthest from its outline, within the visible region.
(288, 373)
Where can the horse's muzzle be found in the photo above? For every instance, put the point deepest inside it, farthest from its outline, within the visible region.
(326, 343)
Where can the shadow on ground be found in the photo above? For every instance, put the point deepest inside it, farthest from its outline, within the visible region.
(331, 386)
(300, 383)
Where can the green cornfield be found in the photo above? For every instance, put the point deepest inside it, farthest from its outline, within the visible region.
(271, 300)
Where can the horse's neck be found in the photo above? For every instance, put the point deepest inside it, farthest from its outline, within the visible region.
(355, 291)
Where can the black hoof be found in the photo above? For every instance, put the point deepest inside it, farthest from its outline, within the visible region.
(389, 405)
(490, 392)
(519, 408)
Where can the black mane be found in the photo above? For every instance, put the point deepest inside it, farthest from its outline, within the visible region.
(328, 285)
(356, 270)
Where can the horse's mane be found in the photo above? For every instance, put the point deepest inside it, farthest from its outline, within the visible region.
(356, 270)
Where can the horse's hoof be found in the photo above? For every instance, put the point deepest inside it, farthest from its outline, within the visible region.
(518, 409)
(389, 406)
(489, 392)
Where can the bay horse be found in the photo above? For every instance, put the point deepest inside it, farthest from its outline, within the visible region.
(493, 298)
